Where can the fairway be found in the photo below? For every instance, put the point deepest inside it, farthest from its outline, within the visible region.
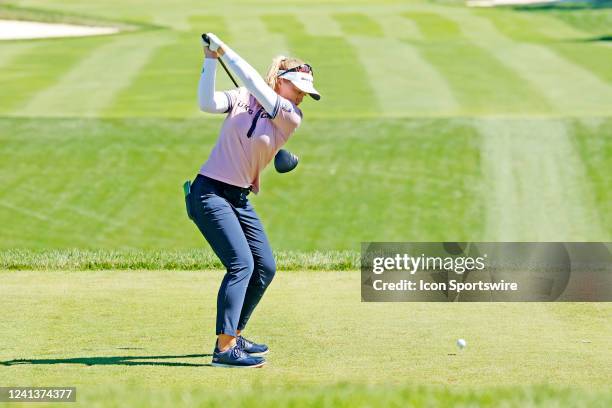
(108, 331)
(511, 141)
(437, 122)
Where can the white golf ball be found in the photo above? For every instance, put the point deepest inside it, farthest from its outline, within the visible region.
(461, 343)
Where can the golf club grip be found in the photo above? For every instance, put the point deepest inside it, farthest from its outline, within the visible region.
(207, 42)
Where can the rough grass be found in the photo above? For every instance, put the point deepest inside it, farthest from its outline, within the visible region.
(195, 259)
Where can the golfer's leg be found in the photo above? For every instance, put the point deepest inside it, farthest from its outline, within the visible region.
(220, 226)
(265, 267)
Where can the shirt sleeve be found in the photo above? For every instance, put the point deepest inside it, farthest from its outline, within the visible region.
(232, 97)
(286, 116)
(251, 79)
(209, 100)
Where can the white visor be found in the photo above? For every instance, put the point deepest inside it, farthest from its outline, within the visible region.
(303, 81)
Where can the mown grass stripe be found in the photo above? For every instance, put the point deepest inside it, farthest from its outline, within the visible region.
(405, 82)
(433, 26)
(40, 68)
(92, 84)
(10, 51)
(575, 44)
(594, 57)
(596, 21)
(481, 83)
(210, 23)
(259, 47)
(536, 183)
(166, 86)
(593, 141)
(530, 27)
(319, 23)
(358, 24)
(569, 88)
(397, 27)
(337, 68)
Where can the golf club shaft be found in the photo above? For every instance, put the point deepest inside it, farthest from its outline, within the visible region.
(207, 41)
(228, 73)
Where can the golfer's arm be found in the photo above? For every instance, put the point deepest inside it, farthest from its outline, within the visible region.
(209, 100)
(251, 79)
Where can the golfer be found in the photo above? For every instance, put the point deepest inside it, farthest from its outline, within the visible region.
(259, 120)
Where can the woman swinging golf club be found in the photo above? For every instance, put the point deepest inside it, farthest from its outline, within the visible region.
(260, 119)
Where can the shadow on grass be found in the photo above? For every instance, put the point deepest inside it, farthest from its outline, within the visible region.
(606, 38)
(568, 5)
(598, 39)
(119, 360)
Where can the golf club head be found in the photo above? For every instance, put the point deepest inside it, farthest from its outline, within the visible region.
(284, 161)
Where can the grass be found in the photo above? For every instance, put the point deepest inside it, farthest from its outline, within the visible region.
(595, 151)
(437, 123)
(399, 147)
(123, 332)
(349, 395)
(84, 206)
(432, 185)
(196, 259)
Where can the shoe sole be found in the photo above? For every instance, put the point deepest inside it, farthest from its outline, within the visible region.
(259, 354)
(238, 366)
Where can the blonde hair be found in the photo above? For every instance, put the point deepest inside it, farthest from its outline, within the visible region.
(280, 63)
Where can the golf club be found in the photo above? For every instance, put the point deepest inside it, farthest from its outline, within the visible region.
(285, 161)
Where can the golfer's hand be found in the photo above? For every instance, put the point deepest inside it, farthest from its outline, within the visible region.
(216, 45)
(209, 53)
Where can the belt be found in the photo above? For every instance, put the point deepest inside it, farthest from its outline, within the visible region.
(225, 186)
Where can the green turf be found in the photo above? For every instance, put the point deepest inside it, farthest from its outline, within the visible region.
(432, 184)
(40, 67)
(336, 74)
(152, 329)
(595, 147)
(79, 204)
(346, 395)
(437, 122)
(477, 78)
(596, 21)
(504, 61)
(358, 24)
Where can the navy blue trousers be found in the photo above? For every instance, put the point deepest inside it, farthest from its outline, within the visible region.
(229, 223)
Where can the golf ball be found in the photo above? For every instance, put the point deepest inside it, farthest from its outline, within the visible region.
(461, 343)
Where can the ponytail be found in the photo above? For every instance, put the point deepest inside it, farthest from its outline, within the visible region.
(279, 63)
(273, 70)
